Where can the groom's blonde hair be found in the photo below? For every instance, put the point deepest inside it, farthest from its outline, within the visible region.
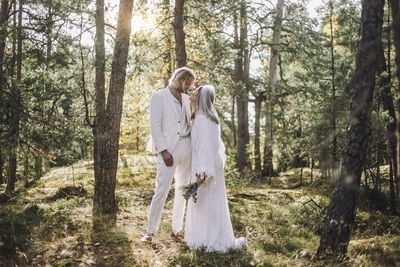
(179, 77)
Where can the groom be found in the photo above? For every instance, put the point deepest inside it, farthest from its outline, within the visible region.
(170, 132)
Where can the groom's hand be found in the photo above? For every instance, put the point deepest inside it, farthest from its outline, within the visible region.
(167, 157)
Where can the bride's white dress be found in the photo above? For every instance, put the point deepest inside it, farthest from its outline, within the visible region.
(208, 222)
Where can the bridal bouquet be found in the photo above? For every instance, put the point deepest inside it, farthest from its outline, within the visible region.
(191, 189)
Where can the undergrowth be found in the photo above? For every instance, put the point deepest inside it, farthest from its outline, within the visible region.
(50, 222)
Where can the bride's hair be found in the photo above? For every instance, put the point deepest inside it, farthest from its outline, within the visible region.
(179, 76)
(205, 102)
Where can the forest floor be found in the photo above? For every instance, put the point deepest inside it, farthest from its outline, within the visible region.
(49, 223)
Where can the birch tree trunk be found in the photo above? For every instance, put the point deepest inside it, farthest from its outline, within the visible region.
(338, 223)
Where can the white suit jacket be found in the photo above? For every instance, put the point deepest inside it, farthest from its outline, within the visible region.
(164, 121)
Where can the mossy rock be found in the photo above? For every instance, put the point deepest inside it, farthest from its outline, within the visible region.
(68, 192)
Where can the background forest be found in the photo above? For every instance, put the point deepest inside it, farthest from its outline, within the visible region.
(309, 107)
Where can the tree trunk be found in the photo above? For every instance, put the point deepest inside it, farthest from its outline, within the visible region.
(257, 109)
(167, 68)
(98, 130)
(180, 48)
(104, 202)
(1, 167)
(26, 165)
(234, 136)
(49, 47)
(395, 5)
(3, 38)
(242, 93)
(366, 177)
(38, 167)
(336, 232)
(333, 92)
(391, 188)
(268, 169)
(388, 101)
(4, 13)
(16, 114)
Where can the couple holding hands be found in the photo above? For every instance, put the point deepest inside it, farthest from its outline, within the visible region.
(190, 149)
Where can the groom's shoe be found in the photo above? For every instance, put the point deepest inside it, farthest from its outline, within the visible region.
(147, 238)
(178, 236)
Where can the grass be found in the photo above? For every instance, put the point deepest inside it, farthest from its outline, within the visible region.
(50, 222)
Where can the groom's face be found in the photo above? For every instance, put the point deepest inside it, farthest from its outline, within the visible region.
(187, 84)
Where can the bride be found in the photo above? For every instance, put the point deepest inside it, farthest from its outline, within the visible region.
(208, 222)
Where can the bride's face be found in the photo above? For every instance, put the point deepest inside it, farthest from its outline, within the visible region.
(193, 97)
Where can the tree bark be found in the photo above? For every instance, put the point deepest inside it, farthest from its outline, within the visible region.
(338, 223)
(38, 167)
(16, 114)
(333, 92)
(242, 90)
(233, 118)
(268, 168)
(391, 188)
(104, 202)
(180, 48)
(1, 167)
(4, 13)
(257, 126)
(388, 105)
(167, 69)
(98, 129)
(395, 6)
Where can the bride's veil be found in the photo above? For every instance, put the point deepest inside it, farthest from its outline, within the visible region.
(205, 103)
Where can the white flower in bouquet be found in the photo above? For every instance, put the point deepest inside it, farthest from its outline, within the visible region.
(208, 180)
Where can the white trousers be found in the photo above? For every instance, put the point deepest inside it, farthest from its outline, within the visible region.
(181, 171)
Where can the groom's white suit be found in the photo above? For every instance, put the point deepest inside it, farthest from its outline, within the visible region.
(170, 130)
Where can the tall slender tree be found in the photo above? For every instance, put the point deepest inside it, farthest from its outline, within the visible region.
(268, 169)
(257, 129)
(4, 15)
(180, 47)
(241, 78)
(167, 67)
(338, 223)
(333, 88)
(386, 96)
(105, 182)
(1, 167)
(98, 127)
(395, 6)
(16, 114)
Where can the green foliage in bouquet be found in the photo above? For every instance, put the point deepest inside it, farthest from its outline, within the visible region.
(190, 191)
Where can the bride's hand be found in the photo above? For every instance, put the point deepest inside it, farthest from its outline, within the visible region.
(199, 180)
